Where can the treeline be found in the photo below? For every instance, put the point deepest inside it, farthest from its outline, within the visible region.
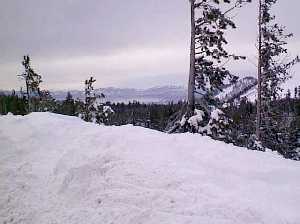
(154, 116)
(284, 135)
(158, 116)
(12, 104)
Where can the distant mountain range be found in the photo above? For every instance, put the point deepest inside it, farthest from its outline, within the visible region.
(162, 94)
(244, 87)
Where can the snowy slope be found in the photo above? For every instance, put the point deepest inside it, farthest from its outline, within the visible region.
(250, 95)
(60, 170)
(242, 88)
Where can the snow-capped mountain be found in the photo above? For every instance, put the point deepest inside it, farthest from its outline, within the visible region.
(163, 94)
(245, 87)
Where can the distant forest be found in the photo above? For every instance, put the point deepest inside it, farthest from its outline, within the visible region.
(161, 117)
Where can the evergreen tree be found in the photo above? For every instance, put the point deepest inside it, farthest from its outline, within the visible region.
(209, 22)
(32, 82)
(46, 102)
(94, 109)
(207, 52)
(272, 72)
(12, 104)
(68, 105)
(219, 126)
(90, 108)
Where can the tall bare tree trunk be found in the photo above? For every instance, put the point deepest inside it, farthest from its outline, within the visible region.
(191, 84)
(28, 96)
(259, 75)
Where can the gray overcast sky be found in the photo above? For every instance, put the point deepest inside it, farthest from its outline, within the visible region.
(133, 43)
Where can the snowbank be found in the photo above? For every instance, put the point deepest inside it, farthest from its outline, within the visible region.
(58, 169)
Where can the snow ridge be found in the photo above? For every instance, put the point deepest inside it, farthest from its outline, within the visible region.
(59, 169)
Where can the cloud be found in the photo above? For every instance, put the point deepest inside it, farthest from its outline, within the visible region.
(127, 44)
(110, 70)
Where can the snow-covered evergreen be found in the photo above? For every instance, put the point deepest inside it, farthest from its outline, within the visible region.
(95, 109)
(274, 70)
(32, 83)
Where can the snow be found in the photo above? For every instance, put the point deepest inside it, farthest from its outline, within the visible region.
(215, 114)
(98, 101)
(196, 119)
(56, 169)
(183, 121)
(107, 110)
(250, 95)
(223, 95)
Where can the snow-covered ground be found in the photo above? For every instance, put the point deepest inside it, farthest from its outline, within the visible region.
(56, 169)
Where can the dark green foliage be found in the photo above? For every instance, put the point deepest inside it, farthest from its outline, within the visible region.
(283, 136)
(46, 103)
(12, 104)
(154, 116)
(68, 105)
(243, 116)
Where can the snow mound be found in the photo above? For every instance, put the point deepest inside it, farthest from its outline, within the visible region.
(59, 169)
(215, 114)
(196, 119)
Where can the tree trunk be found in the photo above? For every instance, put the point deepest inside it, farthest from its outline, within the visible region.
(259, 71)
(28, 96)
(191, 84)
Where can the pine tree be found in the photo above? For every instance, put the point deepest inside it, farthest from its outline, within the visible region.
(272, 71)
(287, 138)
(12, 104)
(219, 126)
(90, 109)
(68, 105)
(207, 52)
(209, 23)
(46, 102)
(94, 109)
(32, 82)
